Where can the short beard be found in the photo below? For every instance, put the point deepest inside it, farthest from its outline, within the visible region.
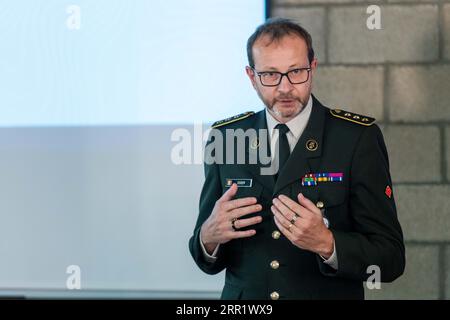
(278, 113)
(270, 105)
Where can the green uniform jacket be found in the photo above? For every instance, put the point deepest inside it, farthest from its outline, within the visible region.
(360, 210)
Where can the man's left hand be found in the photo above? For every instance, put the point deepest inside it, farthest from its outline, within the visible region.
(302, 223)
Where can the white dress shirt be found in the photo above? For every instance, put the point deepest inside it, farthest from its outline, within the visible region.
(296, 127)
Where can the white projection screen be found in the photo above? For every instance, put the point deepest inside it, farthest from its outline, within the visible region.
(90, 94)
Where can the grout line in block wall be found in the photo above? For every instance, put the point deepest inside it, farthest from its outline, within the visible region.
(440, 27)
(360, 4)
(443, 151)
(394, 64)
(386, 106)
(442, 271)
(418, 183)
(427, 242)
(326, 35)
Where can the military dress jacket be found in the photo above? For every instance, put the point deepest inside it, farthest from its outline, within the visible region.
(358, 207)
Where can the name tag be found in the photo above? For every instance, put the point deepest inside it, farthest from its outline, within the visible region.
(245, 183)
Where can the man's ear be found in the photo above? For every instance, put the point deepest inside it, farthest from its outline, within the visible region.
(251, 75)
(313, 66)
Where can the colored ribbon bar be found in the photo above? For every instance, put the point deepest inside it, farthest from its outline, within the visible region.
(311, 179)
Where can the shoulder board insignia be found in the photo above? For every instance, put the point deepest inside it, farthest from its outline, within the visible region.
(232, 119)
(353, 117)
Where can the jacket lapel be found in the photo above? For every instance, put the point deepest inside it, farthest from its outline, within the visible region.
(261, 149)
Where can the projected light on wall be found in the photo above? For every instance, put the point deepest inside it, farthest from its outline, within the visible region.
(113, 62)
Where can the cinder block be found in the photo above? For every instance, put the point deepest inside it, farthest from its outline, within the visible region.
(356, 89)
(420, 280)
(423, 211)
(446, 30)
(408, 34)
(415, 1)
(447, 273)
(419, 93)
(414, 153)
(447, 148)
(312, 19)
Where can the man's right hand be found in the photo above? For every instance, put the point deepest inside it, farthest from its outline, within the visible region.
(218, 229)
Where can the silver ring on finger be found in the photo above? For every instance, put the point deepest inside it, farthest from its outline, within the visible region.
(294, 218)
(232, 224)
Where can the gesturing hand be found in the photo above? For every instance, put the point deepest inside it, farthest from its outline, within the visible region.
(218, 228)
(302, 223)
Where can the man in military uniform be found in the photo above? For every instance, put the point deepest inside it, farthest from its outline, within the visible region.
(318, 226)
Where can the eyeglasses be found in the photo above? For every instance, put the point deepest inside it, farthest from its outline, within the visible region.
(273, 78)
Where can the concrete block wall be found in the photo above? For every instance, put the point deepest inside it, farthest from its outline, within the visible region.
(401, 76)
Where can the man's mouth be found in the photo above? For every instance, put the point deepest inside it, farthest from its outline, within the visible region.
(286, 100)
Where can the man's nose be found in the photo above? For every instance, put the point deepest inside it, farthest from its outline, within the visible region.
(285, 85)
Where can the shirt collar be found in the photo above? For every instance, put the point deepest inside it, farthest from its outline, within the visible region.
(295, 125)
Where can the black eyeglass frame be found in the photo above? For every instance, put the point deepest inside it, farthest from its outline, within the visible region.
(259, 73)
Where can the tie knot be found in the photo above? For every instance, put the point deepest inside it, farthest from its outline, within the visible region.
(283, 128)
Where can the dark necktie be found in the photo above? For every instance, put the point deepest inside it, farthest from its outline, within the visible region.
(283, 150)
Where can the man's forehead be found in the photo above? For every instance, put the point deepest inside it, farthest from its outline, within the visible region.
(289, 51)
(268, 39)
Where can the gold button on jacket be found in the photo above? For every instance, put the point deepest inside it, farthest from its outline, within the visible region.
(274, 264)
